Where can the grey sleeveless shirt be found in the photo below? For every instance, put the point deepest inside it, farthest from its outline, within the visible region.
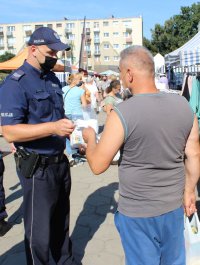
(151, 170)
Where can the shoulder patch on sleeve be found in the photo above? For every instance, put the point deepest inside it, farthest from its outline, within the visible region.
(17, 75)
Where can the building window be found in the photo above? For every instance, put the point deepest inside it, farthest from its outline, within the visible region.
(71, 37)
(126, 45)
(97, 59)
(116, 46)
(127, 23)
(50, 26)
(115, 34)
(96, 24)
(38, 26)
(106, 46)
(70, 25)
(116, 58)
(106, 58)
(26, 39)
(59, 25)
(126, 34)
(10, 28)
(105, 23)
(1, 43)
(27, 27)
(96, 35)
(11, 42)
(87, 24)
(115, 23)
(1, 28)
(106, 34)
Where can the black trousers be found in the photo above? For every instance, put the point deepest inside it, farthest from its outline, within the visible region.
(3, 213)
(46, 209)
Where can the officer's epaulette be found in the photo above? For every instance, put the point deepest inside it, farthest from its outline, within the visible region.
(17, 75)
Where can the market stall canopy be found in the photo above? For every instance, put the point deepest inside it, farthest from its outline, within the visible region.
(186, 55)
(18, 60)
(109, 72)
(159, 62)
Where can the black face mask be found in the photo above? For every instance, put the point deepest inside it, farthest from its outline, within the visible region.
(48, 64)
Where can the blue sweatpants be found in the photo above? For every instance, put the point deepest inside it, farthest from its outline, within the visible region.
(154, 240)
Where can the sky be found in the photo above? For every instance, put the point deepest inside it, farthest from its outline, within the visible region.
(152, 11)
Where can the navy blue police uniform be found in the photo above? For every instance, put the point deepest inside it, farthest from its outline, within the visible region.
(28, 97)
(3, 213)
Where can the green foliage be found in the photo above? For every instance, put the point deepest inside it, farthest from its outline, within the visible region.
(5, 57)
(176, 31)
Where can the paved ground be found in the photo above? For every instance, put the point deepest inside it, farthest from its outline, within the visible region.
(93, 203)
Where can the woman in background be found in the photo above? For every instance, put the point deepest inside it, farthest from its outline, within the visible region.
(113, 96)
(74, 99)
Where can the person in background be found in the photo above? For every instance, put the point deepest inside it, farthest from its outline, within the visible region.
(113, 96)
(159, 164)
(32, 117)
(74, 100)
(4, 225)
(94, 95)
(103, 85)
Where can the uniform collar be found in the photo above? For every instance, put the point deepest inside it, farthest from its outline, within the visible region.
(34, 70)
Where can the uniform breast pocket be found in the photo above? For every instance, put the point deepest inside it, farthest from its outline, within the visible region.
(42, 104)
(59, 104)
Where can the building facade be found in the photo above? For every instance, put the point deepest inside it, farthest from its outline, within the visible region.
(103, 39)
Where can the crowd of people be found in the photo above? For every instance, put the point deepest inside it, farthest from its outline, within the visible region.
(155, 135)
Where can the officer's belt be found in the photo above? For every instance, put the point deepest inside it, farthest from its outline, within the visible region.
(46, 160)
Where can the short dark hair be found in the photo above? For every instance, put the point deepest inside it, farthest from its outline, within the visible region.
(113, 84)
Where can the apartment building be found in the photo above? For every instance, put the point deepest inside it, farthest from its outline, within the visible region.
(103, 39)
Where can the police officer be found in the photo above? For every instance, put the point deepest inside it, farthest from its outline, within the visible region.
(33, 118)
(4, 225)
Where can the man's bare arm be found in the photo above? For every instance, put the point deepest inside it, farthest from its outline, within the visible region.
(192, 168)
(100, 155)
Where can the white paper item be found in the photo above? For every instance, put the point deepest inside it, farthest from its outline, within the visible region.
(87, 123)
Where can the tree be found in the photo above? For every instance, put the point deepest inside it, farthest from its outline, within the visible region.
(176, 31)
(6, 56)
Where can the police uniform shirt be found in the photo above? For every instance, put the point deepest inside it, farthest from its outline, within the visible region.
(27, 97)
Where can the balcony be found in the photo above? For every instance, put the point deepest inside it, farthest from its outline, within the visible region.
(129, 30)
(97, 53)
(1, 46)
(70, 42)
(10, 45)
(96, 29)
(28, 33)
(96, 41)
(9, 34)
(129, 39)
(88, 39)
(68, 30)
(89, 54)
(87, 31)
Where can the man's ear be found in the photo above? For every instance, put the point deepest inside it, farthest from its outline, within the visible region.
(130, 75)
(33, 50)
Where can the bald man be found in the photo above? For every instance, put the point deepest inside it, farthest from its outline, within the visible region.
(154, 132)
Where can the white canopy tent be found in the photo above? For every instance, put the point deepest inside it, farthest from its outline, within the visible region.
(159, 62)
(186, 55)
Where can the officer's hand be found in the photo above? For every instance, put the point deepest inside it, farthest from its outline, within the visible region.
(64, 127)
